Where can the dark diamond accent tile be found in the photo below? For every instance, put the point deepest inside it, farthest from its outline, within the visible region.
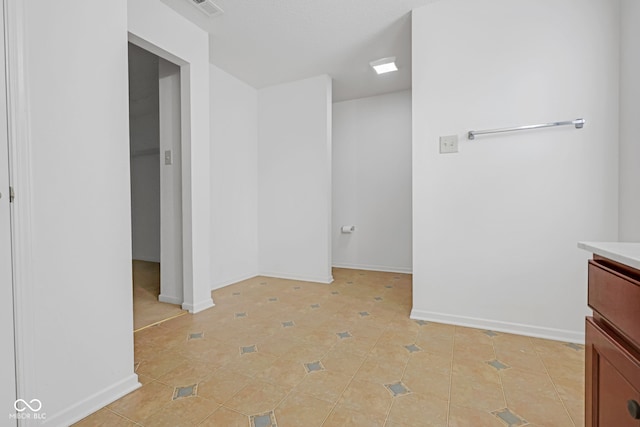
(490, 334)
(263, 283)
(288, 324)
(273, 299)
(315, 305)
(422, 322)
(343, 335)
(334, 292)
(248, 349)
(509, 417)
(576, 347)
(363, 313)
(313, 367)
(349, 283)
(389, 286)
(397, 389)
(196, 335)
(362, 274)
(296, 287)
(412, 348)
(263, 420)
(235, 294)
(241, 315)
(188, 391)
(498, 365)
(378, 298)
(396, 277)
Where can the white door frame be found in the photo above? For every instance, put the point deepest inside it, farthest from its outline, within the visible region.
(20, 176)
(187, 213)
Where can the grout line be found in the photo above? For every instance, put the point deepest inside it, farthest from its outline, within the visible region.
(453, 353)
(554, 385)
(159, 322)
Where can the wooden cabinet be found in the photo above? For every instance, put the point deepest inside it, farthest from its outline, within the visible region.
(613, 345)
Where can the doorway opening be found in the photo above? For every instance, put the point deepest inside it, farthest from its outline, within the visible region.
(156, 195)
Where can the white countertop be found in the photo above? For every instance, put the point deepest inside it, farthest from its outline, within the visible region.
(624, 252)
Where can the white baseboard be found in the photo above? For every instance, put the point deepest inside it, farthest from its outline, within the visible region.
(93, 403)
(223, 283)
(499, 326)
(325, 280)
(170, 299)
(199, 306)
(383, 268)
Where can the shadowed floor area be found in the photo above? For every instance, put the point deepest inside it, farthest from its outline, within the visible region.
(147, 310)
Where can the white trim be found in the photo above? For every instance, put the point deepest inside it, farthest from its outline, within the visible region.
(324, 280)
(500, 326)
(199, 306)
(170, 299)
(94, 402)
(383, 268)
(21, 177)
(146, 259)
(224, 283)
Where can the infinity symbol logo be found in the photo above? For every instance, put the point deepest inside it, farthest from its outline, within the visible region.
(37, 405)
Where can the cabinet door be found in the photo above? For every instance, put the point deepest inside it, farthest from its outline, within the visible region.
(613, 380)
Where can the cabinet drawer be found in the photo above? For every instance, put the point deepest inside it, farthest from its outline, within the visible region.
(612, 382)
(616, 298)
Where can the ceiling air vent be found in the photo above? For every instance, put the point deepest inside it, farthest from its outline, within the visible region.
(207, 7)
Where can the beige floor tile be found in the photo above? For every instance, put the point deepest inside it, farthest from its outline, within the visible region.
(482, 396)
(476, 371)
(467, 417)
(436, 344)
(365, 397)
(222, 385)
(189, 372)
(143, 402)
(187, 411)
(104, 418)
(302, 410)
(224, 417)
(325, 385)
(428, 383)
(416, 410)
(541, 410)
(343, 361)
(251, 364)
(283, 372)
(465, 350)
(380, 372)
(424, 361)
(160, 364)
(343, 416)
(527, 385)
(521, 359)
(256, 398)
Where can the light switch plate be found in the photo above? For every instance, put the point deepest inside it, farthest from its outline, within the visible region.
(167, 158)
(448, 144)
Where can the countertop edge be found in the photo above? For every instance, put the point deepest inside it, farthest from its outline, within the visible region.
(615, 251)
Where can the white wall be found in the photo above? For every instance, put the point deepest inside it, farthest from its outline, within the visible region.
(294, 180)
(145, 159)
(629, 113)
(234, 179)
(496, 225)
(371, 182)
(78, 355)
(186, 45)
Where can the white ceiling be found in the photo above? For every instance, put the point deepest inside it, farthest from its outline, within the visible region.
(266, 42)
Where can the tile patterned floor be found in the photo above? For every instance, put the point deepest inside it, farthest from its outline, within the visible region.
(344, 354)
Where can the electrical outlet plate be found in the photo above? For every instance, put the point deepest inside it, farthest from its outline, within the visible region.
(448, 144)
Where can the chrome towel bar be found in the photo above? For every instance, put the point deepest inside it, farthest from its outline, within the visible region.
(578, 123)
